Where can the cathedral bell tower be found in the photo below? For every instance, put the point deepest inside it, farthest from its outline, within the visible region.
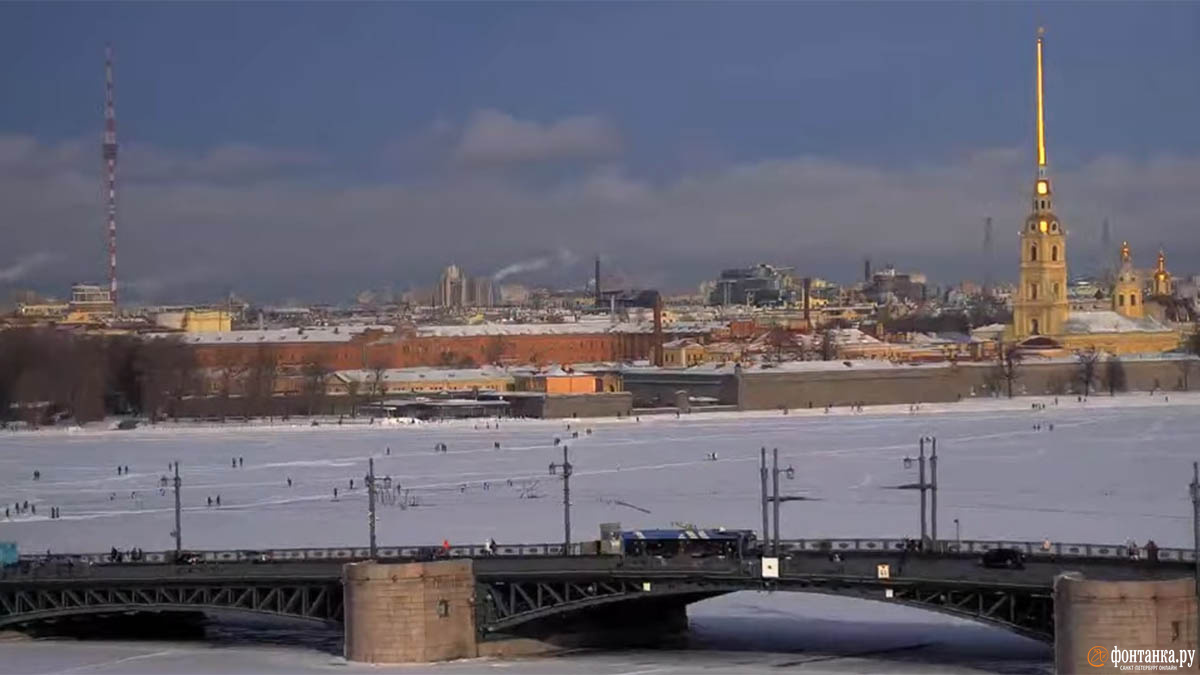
(1127, 290)
(1040, 305)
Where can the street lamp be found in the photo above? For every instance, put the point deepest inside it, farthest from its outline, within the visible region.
(923, 485)
(370, 481)
(566, 468)
(774, 498)
(178, 533)
(957, 538)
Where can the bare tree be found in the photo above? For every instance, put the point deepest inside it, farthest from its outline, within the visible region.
(828, 348)
(352, 387)
(1006, 371)
(264, 375)
(316, 375)
(1114, 375)
(229, 372)
(378, 390)
(1088, 361)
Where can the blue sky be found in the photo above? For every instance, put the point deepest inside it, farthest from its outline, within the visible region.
(366, 112)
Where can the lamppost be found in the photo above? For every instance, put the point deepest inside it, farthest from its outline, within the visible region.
(924, 485)
(178, 533)
(1195, 490)
(774, 498)
(370, 481)
(566, 476)
(957, 538)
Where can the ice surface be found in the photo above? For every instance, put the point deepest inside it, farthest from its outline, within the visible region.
(1112, 469)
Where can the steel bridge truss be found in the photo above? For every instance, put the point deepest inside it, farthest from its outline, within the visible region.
(1030, 613)
(504, 604)
(319, 601)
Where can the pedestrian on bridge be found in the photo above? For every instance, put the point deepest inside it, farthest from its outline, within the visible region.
(289, 481)
(218, 500)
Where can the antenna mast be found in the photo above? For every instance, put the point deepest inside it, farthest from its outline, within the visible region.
(109, 153)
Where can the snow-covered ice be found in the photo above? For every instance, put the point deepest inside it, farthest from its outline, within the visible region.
(1110, 470)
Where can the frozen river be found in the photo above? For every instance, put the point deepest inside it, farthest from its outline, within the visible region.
(1110, 470)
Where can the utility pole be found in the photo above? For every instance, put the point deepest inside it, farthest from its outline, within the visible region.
(775, 497)
(923, 485)
(371, 506)
(178, 520)
(1196, 539)
(933, 488)
(566, 476)
(762, 474)
(921, 479)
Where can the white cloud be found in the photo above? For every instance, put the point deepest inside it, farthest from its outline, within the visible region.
(495, 137)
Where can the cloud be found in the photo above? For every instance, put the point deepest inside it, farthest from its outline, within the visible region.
(290, 234)
(21, 269)
(493, 137)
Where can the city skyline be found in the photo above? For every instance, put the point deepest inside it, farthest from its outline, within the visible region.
(256, 164)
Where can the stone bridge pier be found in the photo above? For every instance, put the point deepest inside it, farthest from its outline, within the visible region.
(427, 611)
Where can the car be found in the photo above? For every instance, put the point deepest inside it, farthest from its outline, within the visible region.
(188, 558)
(1004, 558)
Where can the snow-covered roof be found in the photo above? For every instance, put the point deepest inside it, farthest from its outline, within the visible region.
(425, 374)
(1108, 321)
(586, 327)
(315, 334)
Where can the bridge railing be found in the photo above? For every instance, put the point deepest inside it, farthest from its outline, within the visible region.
(1032, 549)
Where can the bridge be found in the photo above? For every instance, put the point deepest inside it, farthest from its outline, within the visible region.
(534, 590)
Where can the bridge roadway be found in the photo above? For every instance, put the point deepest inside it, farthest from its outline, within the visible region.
(519, 592)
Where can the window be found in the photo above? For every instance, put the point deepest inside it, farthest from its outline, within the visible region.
(1033, 323)
(1053, 254)
(1033, 253)
(1054, 226)
(1056, 290)
(1033, 291)
(1120, 301)
(1132, 299)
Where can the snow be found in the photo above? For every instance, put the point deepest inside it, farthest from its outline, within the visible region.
(1109, 471)
(1112, 469)
(1108, 321)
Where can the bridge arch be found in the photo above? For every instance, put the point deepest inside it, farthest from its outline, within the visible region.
(321, 602)
(506, 606)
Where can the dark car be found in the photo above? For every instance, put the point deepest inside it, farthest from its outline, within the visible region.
(1004, 558)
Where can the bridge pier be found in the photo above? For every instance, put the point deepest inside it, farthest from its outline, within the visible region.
(409, 613)
(1091, 614)
(424, 612)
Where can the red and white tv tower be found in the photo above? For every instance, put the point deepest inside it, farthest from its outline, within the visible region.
(109, 152)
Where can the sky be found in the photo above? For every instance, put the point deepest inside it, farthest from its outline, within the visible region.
(312, 150)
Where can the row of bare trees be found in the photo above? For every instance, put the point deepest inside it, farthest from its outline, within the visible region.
(48, 374)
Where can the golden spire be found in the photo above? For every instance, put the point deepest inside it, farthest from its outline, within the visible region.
(1162, 261)
(1125, 255)
(1041, 117)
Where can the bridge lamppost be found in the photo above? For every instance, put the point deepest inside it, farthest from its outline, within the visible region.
(1195, 490)
(923, 486)
(567, 469)
(178, 533)
(370, 481)
(774, 498)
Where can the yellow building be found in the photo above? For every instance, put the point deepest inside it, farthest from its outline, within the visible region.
(1041, 314)
(206, 321)
(682, 353)
(1127, 289)
(1040, 305)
